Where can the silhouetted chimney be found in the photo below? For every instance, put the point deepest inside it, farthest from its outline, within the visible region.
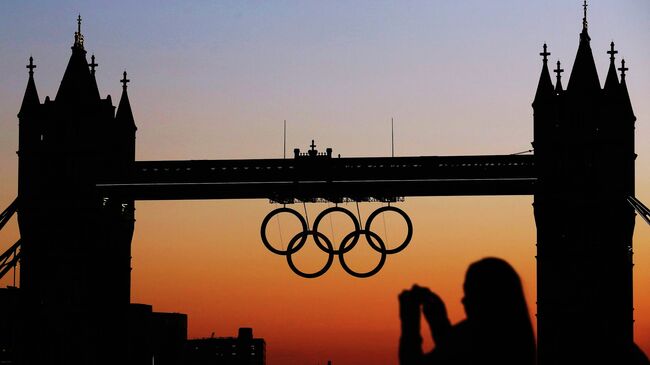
(245, 333)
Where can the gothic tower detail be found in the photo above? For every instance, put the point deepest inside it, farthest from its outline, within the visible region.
(584, 156)
(76, 245)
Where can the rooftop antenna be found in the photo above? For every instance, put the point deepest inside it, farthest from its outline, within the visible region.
(284, 146)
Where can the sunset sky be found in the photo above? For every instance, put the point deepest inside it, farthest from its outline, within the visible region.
(216, 79)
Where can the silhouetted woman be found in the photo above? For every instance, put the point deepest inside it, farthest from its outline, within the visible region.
(497, 329)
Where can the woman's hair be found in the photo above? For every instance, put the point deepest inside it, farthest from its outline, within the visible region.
(494, 301)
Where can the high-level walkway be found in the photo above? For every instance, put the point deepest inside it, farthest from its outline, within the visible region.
(309, 178)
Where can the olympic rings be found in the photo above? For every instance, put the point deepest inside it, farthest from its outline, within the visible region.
(381, 250)
(327, 211)
(346, 244)
(409, 230)
(303, 236)
(265, 222)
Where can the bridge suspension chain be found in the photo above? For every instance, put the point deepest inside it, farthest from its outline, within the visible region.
(10, 258)
(641, 209)
(11, 209)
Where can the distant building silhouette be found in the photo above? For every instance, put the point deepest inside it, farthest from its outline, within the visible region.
(240, 350)
(584, 155)
(156, 338)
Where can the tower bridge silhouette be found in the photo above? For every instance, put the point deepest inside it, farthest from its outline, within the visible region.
(78, 180)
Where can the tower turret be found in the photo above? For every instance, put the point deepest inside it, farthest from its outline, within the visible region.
(544, 109)
(544, 91)
(125, 129)
(625, 96)
(611, 81)
(29, 137)
(30, 100)
(92, 65)
(124, 115)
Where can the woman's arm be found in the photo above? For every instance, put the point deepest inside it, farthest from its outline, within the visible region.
(410, 342)
(436, 315)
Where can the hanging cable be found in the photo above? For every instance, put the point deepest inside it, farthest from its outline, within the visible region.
(359, 214)
(331, 225)
(277, 219)
(383, 217)
(304, 205)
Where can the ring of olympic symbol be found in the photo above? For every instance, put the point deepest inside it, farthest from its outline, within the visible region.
(348, 242)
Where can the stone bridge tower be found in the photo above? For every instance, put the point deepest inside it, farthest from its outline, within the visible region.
(584, 154)
(75, 260)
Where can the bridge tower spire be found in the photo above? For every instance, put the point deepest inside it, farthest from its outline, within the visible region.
(31, 94)
(558, 78)
(126, 125)
(545, 85)
(29, 135)
(584, 77)
(544, 105)
(611, 81)
(78, 37)
(124, 115)
(78, 85)
(584, 17)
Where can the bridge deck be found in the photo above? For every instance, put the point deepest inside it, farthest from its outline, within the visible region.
(333, 179)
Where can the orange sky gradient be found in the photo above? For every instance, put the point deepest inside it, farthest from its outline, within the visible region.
(216, 81)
